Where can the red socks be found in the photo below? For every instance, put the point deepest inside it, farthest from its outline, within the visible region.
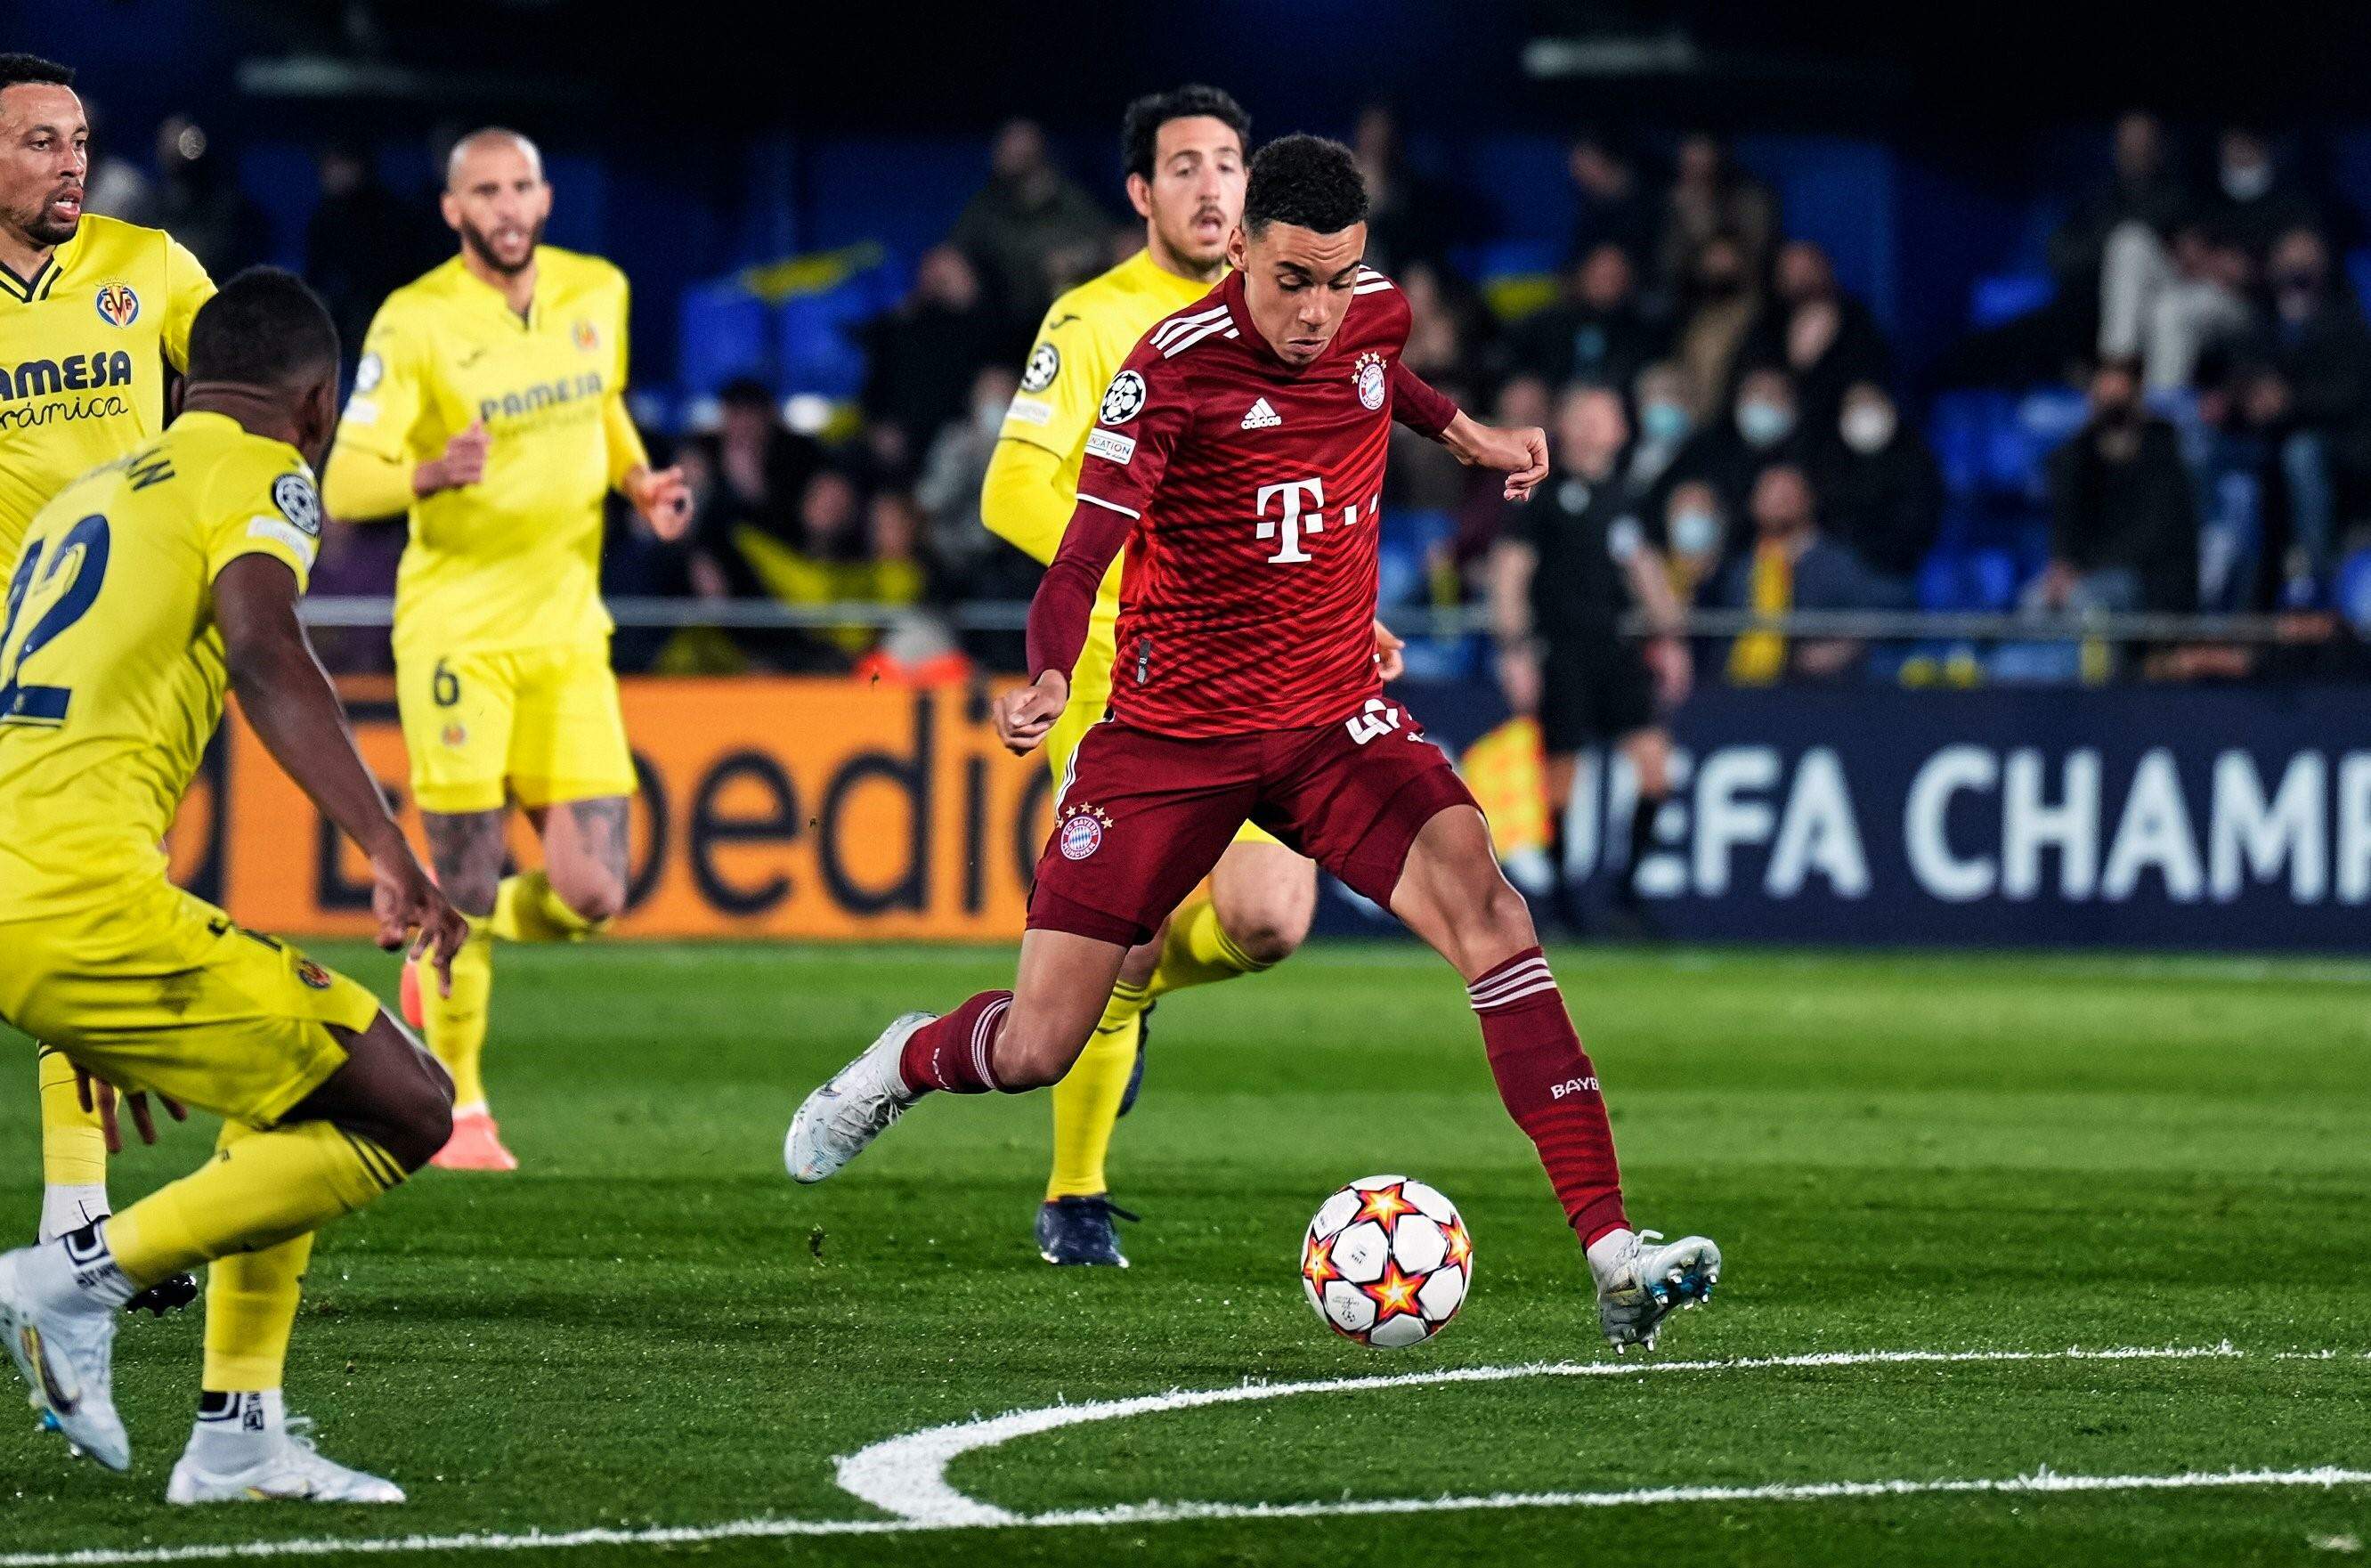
(955, 1053)
(1551, 1090)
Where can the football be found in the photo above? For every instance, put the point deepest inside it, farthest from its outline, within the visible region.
(1387, 1261)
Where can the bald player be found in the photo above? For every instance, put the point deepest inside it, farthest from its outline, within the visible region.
(488, 409)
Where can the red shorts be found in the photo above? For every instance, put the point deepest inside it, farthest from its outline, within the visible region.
(1142, 818)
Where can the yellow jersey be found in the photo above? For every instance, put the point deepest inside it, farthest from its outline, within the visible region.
(514, 560)
(111, 668)
(1086, 335)
(83, 344)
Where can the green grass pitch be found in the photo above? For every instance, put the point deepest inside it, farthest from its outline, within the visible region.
(650, 1325)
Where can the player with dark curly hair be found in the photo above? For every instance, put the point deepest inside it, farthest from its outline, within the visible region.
(1238, 462)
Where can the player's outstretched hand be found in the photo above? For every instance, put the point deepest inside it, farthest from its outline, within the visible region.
(1025, 713)
(98, 1096)
(1390, 663)
(1521, 455)
(662, 498)
(412, 909)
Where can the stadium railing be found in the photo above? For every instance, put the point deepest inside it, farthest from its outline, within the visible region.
(1856, 625)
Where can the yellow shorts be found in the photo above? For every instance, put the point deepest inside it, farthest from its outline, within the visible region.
(537, 726)
(163, 992)
(1087, 706)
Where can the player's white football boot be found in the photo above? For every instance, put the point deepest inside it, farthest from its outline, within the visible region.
(62, 1336)
(284, 1466)
(836, 1121)
(1642, 1279)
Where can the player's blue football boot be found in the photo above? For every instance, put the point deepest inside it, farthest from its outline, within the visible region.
(1078, 1230)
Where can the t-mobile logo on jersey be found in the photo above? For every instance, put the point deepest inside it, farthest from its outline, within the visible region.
(1300, 506)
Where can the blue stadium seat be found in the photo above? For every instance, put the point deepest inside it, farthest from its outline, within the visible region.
(2008, 295)
(2351, 590)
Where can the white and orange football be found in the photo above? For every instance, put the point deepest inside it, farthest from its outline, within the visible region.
(1387, 1261)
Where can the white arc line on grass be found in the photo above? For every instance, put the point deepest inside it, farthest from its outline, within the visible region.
(2042, 1481)
(908, 1476)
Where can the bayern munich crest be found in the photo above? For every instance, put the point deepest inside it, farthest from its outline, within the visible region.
(1369, 379)
(118, 305)
(1082, 832)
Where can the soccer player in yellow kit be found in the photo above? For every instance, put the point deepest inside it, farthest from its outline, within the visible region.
(91, 312)
(1186, 154)
(490, 407)
(146, 588)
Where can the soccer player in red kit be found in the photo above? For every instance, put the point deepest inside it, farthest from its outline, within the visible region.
(1239, 462)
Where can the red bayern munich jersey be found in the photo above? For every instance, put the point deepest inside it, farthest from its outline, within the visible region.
(1248, 597)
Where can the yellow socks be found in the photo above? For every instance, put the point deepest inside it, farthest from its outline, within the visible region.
(260, 1189)
(74, 1149)
(455, 1024)
(1086, 1102)
(1197, 951)
(251, 1305)
(526, 910)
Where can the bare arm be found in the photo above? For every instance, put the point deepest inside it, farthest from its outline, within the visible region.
(1512, 562)
(293, 710)
(1666, 654)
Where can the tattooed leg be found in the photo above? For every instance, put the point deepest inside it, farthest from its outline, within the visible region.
(584, 855)
(468, 850)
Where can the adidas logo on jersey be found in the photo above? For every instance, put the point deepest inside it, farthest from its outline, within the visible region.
(1262, 417)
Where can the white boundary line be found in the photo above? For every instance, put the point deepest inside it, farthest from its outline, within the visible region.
(2040, 1481)
(908, 1476)
(918, 1460)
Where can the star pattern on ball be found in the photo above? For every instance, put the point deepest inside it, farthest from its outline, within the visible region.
(1384, 1204)
(1318, 1263)
(1461, 1246)
(1394, 1294)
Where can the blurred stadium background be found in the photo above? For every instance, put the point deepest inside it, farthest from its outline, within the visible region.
(2065, 676)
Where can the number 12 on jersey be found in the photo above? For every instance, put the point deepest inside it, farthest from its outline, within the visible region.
(82, 556)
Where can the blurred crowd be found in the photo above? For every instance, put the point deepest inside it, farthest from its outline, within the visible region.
(1769, 447)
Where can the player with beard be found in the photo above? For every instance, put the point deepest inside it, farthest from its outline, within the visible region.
(93, 314)
(490, 408)
(1237, 460)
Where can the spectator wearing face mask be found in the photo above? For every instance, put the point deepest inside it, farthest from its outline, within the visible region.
(2254, 203)
(1723, 299)
(1763, 427)
(1826, 339)
(2312, 396)
(1596, 333)
(2123, 524)
(1666, 427)
(1695, 531)
(1880, 490)
(1793, 566)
